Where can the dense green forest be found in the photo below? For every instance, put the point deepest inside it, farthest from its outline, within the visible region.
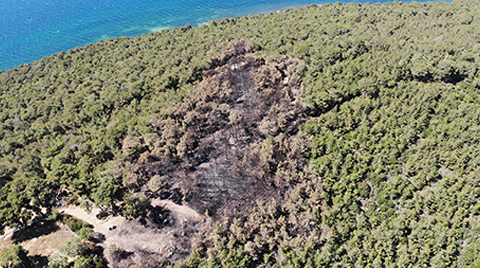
(341, 135)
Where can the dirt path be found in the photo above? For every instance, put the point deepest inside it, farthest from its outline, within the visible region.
(179, 212)
(99, 226)
(132, 237)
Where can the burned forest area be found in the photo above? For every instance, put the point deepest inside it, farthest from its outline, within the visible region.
(223, 146)
(336, 135)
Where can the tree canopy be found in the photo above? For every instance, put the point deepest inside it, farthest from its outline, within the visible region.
(340, 135)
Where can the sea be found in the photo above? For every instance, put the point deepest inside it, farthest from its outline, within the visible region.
(33, 29)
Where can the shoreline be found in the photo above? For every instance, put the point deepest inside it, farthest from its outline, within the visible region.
(27, 47)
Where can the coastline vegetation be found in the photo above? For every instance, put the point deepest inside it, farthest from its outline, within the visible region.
(341, 135)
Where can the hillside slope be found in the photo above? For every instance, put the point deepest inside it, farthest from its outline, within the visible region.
(334, 135)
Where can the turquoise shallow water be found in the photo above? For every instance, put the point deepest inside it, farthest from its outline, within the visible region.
(32, 29)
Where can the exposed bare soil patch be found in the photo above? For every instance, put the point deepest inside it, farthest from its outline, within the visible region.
(132, 244)
(42, 239)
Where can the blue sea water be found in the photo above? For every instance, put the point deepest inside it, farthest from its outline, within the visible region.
(32, 29)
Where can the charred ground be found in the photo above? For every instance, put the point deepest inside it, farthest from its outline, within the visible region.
(225, 145)
(387, 160)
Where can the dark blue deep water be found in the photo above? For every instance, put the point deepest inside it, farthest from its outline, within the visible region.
(32, 29)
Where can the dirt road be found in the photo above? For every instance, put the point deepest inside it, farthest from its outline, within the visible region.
(132, 237)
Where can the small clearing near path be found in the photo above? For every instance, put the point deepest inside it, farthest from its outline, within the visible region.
(138, 241)
(41, 239)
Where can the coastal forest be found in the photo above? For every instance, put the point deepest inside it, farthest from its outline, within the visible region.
(336, 135)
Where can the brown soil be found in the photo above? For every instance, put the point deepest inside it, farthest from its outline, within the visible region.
(179, 212)
(47, 245)
(137, 242)
(42, 239)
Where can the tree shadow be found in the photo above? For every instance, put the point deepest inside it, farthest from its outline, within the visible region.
(160, 217)
(97, 238)
(118, 255)
(35, 230)
(39, 261)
